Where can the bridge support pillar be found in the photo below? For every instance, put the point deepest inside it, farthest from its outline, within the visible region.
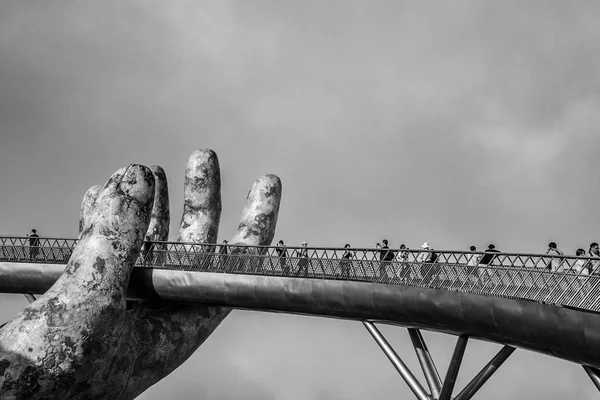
(594, 375)
(454, 367)
(439, 390)
(397, 362)
(427, 365)
(29, 297)
(486, 373)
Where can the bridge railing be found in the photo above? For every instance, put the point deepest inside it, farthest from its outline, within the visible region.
(47, 250)
(561, 280)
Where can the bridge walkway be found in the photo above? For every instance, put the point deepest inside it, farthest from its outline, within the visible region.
(548, 304)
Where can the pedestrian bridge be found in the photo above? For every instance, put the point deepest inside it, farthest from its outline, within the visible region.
(548, 304)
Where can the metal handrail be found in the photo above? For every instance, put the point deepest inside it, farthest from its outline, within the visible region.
(568, 282)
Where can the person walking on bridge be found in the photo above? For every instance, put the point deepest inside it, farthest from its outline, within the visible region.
(302, 255)
(223, 254)
(579, 267)
(402, 257)
(594, 265)
(34, 244)
(345, 261)
(386, 256)
(428, 257)
(473, 261)
(487, 259)
(488, 256)
(554, 264)
(281, 250)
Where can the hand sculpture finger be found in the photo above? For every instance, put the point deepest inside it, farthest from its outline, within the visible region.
(180, 330)
(71, 338)
(201, 199)
(80, 341)
(87, 205)
(259, 218)
(158, 230)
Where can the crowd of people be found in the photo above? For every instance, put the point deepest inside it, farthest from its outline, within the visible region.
(582, 263)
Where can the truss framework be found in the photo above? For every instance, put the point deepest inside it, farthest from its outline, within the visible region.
(442, 389)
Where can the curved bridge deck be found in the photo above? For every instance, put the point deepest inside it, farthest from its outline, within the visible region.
(513, 300)
(507, 275)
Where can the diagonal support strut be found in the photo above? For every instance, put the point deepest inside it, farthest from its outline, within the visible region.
(594, 375)
(454, 367)
(486, 373)
(439, 390)
(427, 365)
(397, 362)
(31, 298)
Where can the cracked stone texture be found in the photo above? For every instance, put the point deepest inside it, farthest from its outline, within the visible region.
(87, 205)
(158, 230)
(78, 340)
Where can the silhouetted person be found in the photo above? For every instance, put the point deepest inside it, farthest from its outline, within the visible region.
(579, 266)
(404, 273)
(282, 253)
(554, 263)
(34, 244)
(487, 259)
(345, 261)
(488, 255)
(386, 256)
(428, 258)
(472, 263)
(593, 265)
(223, 251)
(302, 254)
(147, 249)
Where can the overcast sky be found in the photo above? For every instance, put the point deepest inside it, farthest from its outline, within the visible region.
(456, 123)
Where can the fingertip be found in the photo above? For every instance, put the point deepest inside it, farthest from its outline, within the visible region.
(203, 156)
(92, 193)
(266, 193)
(202, 198)
(138, 183)
(158, 171)
(259, 217)
(158, 230)
(87, 204)
(112, 237)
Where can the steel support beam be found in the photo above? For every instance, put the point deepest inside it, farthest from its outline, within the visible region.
(397, 362)
(594, 375)
(454, 367)
(427, 365)
(29, 297)
(486, 373)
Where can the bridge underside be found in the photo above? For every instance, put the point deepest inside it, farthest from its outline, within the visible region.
(569, 334)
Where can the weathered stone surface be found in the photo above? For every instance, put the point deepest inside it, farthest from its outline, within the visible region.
(72, 341)
(158, 230)
(202, 198)
(87, 205)
(78, 341)
(259, 218)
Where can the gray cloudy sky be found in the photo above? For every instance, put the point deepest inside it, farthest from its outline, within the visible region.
(458, 123)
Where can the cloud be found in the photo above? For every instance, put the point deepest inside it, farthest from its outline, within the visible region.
(458, 123)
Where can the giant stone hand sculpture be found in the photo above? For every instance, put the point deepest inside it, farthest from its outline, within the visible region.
(79, 340)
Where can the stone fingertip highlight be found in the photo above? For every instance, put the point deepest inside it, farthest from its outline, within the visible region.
(138, 183)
